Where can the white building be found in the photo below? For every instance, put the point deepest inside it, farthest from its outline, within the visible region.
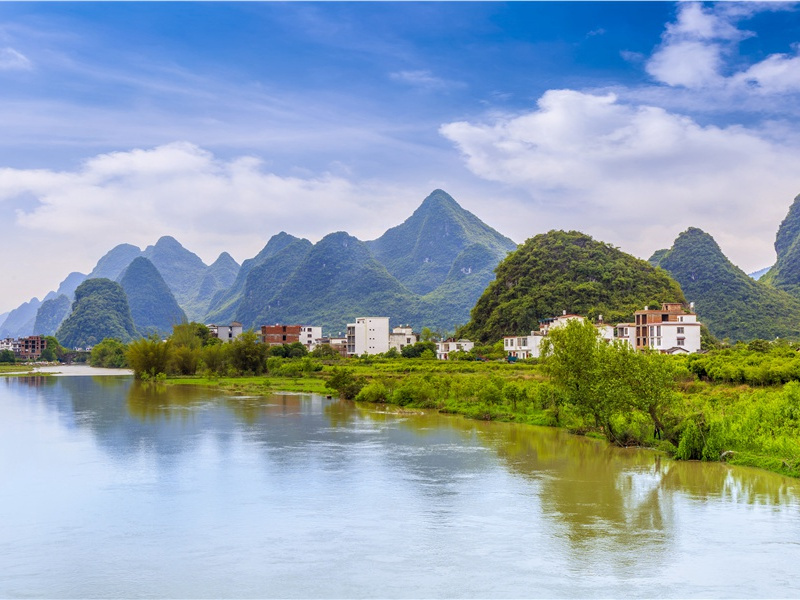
(529, 346)
(526, 346)
(310, 336)
(443, 349)
(227, 333)
(670, 329)
(368, 335)
(402, 337)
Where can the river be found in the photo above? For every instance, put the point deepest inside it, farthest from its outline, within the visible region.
(113, 489)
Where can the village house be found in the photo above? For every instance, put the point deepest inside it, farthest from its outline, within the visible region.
(337, 343)
(30, 348)
(276, 335)
(445, 347)
(670, 329)
(529, 346)
(226, 333)
(400, 337)
(368, 335)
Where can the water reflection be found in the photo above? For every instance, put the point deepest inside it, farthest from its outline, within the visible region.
(291, 483)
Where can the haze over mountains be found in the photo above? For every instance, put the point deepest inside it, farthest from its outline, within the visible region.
(431, 270)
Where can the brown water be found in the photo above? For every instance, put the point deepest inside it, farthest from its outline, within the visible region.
(110, 489)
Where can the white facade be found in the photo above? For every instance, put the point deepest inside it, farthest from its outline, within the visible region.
(227, 333)
(402, 337)
(9, 344)
(528, 346)
(443, 349)
(309, 336)
(675, 336)
(368, 335)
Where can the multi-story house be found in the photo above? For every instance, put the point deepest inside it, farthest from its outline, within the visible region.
(529, 346)
(368, 335)
(400, 337)
(444, 348)
(227, 333)
(670, 329)
(275, 335)
(30, 348)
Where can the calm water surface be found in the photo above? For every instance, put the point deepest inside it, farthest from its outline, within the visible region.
(108, 489)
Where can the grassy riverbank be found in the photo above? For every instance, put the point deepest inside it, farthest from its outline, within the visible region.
(739, 424)
(11, 369)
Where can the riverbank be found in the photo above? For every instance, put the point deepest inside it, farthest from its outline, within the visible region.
(60, 370)
(737, 424)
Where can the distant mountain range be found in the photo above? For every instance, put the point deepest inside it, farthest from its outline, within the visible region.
(427, 271)
(430, 270)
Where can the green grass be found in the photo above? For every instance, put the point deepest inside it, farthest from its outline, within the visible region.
(749, 426)
(7, 368)
(261, 385)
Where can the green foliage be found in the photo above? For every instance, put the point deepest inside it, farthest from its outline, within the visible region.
(109, 353)
(729, 302)
(422, 252)
(757, 363)
(247, 355)
(345, 383)
(569, 271)
(611, 384)
(51, 314)
(326, 352)
(417, 350)
(785, 274)
(100, 311)
(7, 356)
(388, 276)
(153, 307)
(215, 358)
(54, 346)
(149, 357)
(691, 444)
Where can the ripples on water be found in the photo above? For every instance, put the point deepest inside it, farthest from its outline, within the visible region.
(111, 489)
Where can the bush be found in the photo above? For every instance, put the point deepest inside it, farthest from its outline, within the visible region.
(345, 383)
(691, 444)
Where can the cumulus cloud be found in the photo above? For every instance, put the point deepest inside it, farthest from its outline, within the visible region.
(209, 204)
(695, 50)
(636, 174)
(12, 60)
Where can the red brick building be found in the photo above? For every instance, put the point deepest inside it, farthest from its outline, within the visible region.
(30, 348)
(275, 335)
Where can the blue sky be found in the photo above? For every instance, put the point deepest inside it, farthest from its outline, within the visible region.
(224, 123)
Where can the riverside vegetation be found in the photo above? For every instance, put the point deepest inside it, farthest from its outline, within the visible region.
(739, 404)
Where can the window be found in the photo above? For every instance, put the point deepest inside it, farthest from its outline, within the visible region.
(680, 330)
(681, 342)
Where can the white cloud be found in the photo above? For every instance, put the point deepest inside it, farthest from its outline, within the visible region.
(636, 175)
(12, 60)
(695, 49)
(210, 205)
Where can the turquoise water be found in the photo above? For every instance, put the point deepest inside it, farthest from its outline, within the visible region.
(109, 489)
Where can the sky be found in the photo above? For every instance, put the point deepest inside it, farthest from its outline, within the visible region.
(221, 124)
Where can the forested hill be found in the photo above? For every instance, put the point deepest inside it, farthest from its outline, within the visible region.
(566, 271)
(152, 304)
(785, 274)
(729, 302)
(421, 251)
(100, 311)
(428, 271)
